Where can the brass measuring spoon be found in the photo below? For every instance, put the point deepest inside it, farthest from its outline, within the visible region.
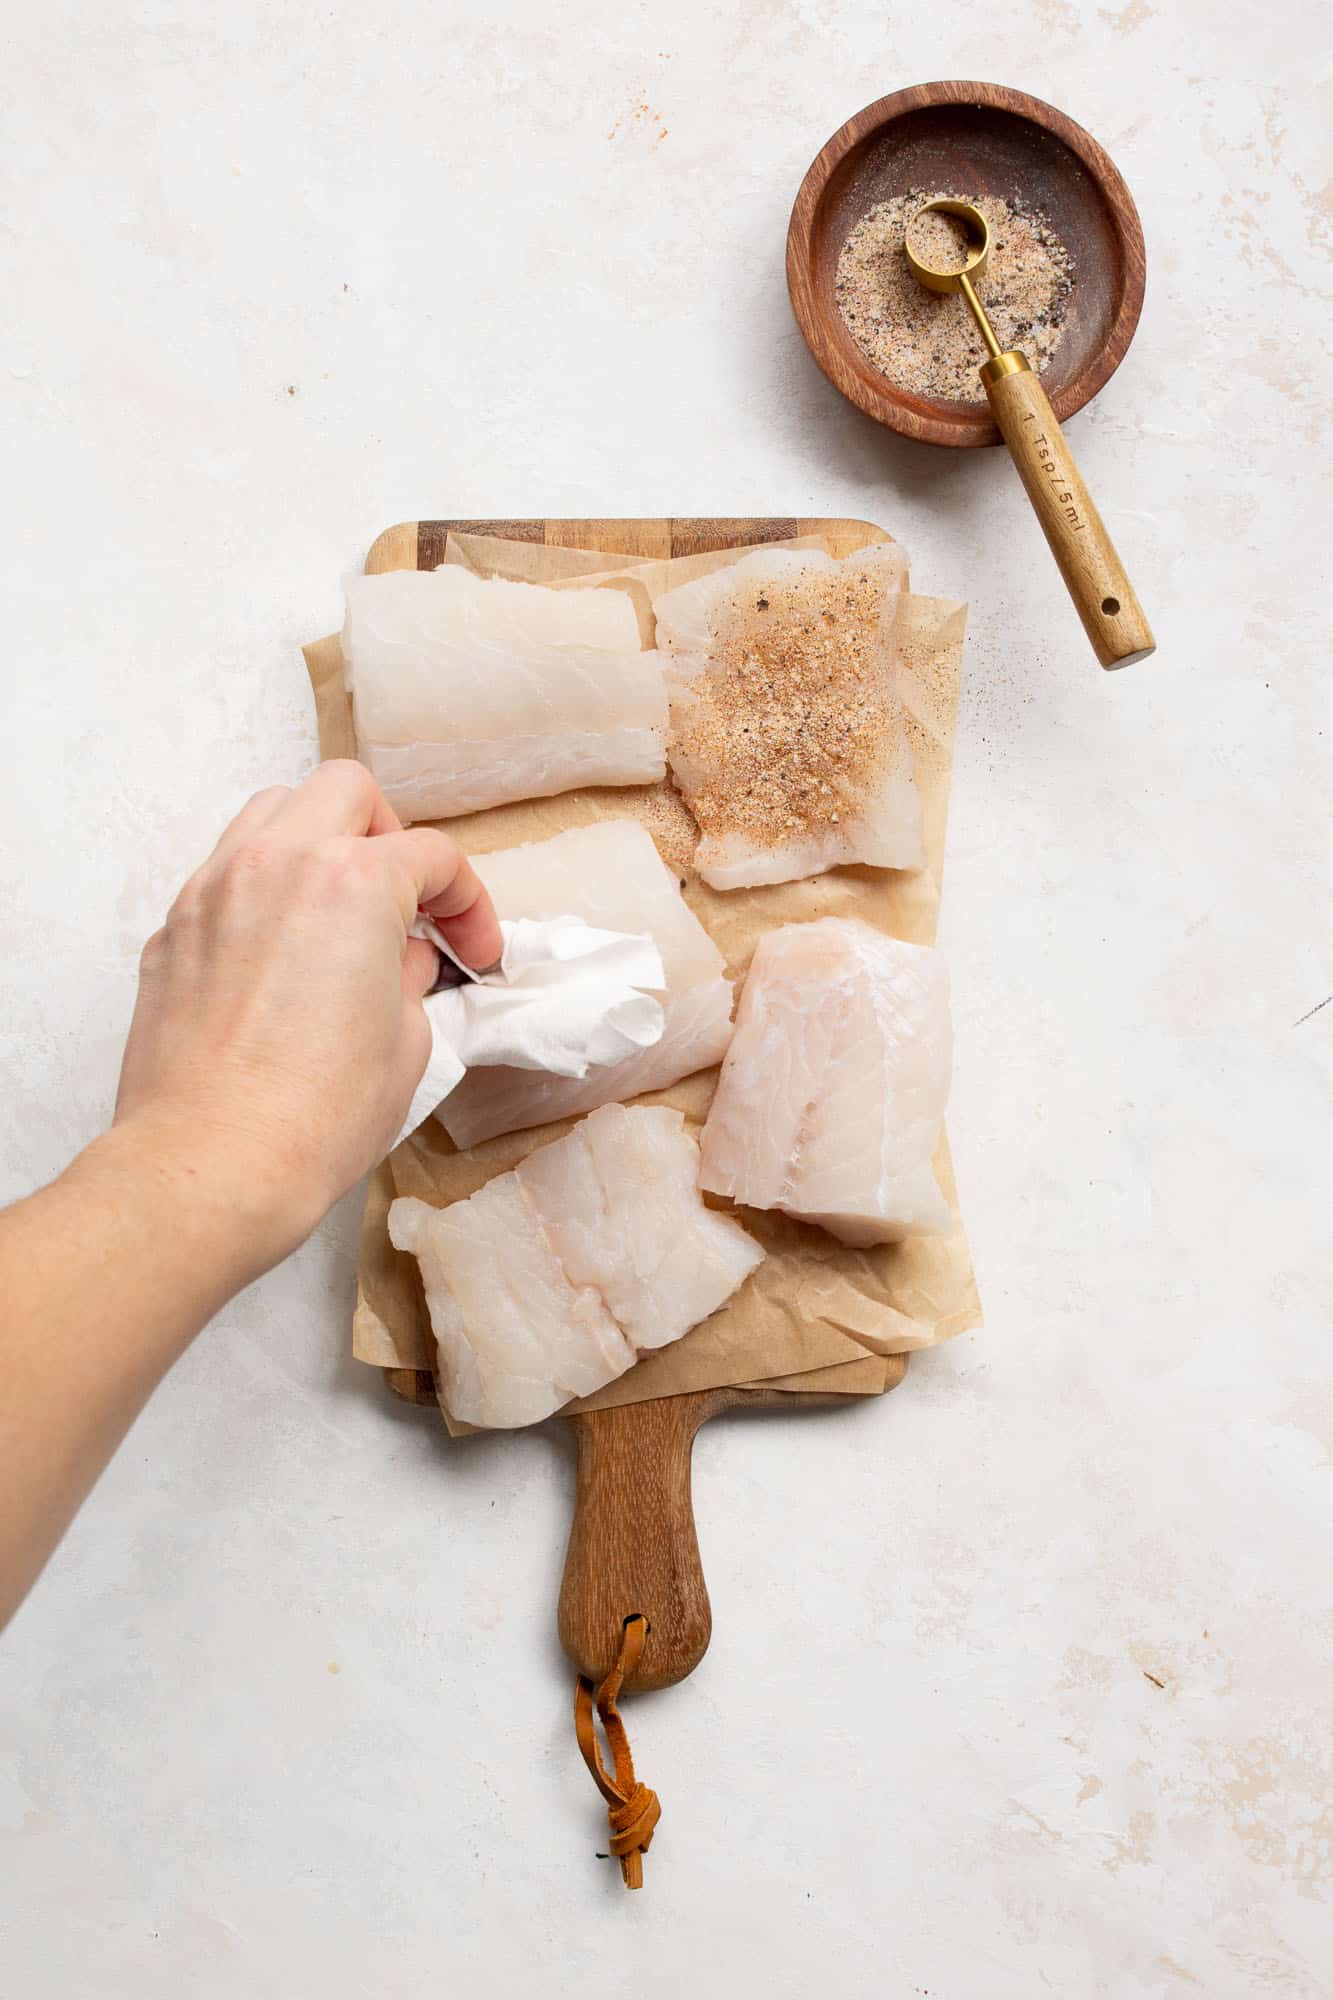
(1094, 577)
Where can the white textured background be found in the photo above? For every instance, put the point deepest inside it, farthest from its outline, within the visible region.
(276, 281)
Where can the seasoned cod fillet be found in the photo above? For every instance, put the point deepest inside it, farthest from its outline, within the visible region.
(787, 736)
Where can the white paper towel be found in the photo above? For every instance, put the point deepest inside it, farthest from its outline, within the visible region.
(565, 998)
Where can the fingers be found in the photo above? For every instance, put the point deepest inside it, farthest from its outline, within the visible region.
(427, 870)
(255, 814)
(340, 797)
(474, 933)
(421, 966)
(437, 876)
(413, 1054)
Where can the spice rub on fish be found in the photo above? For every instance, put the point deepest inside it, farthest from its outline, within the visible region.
(469, 692)
(786, 735)
(552, 1280)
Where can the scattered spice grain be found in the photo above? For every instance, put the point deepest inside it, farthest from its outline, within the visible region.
(669, 820)
(794, 724)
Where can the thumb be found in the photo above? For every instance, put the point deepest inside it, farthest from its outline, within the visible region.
(421, 968)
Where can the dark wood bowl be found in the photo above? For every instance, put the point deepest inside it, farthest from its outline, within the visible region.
(969, 138)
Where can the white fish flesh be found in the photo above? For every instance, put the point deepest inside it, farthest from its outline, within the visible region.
(787, 734)
(551, 1280)
(832, 1094)
(469, 691)
(612, 876)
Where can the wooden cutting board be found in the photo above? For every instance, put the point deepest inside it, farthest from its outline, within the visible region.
(633, 1546)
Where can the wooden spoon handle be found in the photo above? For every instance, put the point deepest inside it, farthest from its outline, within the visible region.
(1094, 576)
(632, 1546)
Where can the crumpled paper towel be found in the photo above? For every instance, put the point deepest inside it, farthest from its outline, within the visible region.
(564, 998)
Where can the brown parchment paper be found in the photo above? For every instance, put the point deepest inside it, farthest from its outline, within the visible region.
(531, 562)
(816, 1314)
(642, 578)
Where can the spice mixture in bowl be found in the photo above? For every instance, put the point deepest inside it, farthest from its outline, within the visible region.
(1065, 289)
(926, 341)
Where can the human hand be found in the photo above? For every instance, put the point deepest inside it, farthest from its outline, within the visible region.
(279, 1032)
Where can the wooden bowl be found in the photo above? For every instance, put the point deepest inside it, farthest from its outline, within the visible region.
(969, 139)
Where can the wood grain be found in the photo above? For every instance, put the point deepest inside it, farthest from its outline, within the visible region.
(420, 544)
(970, 139)
(1094, 575)
(633, 1544)
(413, 1385)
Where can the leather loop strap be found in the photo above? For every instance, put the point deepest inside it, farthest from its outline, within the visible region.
(632, 1809)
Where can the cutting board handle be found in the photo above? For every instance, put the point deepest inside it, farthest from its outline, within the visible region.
(633, 1546)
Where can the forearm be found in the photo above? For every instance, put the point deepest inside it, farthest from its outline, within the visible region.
(277, 1039)
(105, 1277)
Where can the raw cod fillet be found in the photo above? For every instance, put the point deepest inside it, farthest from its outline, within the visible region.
(612, 876)
(787, 734)
(832, 1093)
(551, 1280)
(697, 1031)
(469, 692)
